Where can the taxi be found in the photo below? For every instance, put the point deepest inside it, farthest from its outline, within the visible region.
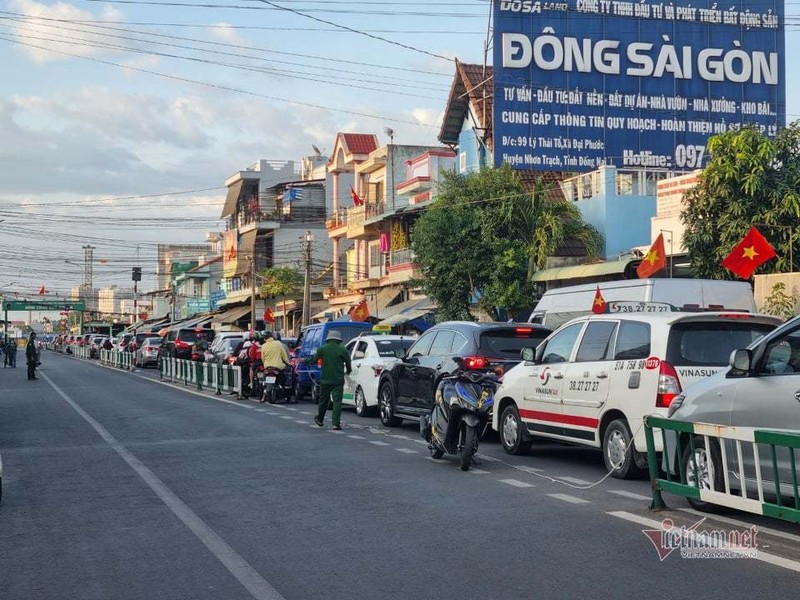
(595, 378)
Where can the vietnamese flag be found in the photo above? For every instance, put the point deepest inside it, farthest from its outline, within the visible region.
(360, 312)
(654, 260)
(599, 304)
(269, 317)
(357, 201)
(754, 250)
(42, 291)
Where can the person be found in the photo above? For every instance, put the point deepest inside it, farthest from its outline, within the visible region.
(199, 348)
(11, 352)
(243, 360)
(335, 361)
(107, 344)
(275, 355)
(4, 353)
(254, 357)
(32, 356)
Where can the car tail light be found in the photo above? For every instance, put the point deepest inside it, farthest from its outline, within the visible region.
(319, 363)
(475, 362)
(181, 344)
(523, 331)
(669, 385)
(377, 369)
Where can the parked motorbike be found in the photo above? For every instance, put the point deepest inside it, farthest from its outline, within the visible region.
(277, 384)
(460, 412)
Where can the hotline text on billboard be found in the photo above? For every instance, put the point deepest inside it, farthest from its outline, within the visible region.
(583, 83)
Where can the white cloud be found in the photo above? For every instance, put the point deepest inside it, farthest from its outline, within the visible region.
(50, 36)
(226, 33)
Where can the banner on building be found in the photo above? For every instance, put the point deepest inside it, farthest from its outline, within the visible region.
(582, 83)
(230, 251)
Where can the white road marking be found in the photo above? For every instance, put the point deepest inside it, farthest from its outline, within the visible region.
(306, 412)
(291, 409)
(287, 417)
(626, 494)
(744, 525)
(488, 458)
(406, 450)
(380, 443)
(572, 480)
(772, 559)
(526, 469)
(244, 573)
(477, 471)
(301, 421)
(568, 498)
(516, 483)
(336, 431)
(356, 437)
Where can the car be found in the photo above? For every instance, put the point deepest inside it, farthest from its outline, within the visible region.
(138, 339)
(95, 344)
(759, 388)
(370, 355)
(147, 352)
(595, 378)
(311, 338)
(177, 343)
(406, 389)
(221, 349)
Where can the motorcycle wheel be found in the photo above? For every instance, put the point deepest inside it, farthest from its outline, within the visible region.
(271, 394)
(469, 448)
(436, 452)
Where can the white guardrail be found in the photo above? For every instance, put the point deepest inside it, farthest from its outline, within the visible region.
(205, 376)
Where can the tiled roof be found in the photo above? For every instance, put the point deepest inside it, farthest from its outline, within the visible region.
(472, 86)
(359, 143)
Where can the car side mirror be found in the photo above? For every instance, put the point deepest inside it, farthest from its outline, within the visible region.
(528, 354)
(741, 360)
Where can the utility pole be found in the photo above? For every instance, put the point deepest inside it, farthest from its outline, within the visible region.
(307, 240)
(137, 277)
(253, 291)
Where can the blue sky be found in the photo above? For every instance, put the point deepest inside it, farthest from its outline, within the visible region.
(79, 137)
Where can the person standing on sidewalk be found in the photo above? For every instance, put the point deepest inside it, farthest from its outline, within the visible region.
(11, 352)
(335, 362)
(32, 356)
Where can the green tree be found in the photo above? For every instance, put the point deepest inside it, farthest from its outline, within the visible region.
(485, 236)
(280, 281)
(751, 179)
(779, 303)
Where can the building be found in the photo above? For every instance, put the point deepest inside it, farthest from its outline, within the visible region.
(170, 253)
(193, 287)
(109, 299)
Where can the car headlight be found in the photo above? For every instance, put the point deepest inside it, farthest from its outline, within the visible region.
(676, 403)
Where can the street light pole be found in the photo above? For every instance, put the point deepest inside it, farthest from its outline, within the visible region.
(253, 291)
(307, 240)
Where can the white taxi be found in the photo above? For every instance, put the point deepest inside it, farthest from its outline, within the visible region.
(593, 380)
(370, 355)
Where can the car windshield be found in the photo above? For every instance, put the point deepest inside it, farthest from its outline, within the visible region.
(347, 333)
(393, 348)
(509, 342)
(153, 341)
(711, 343)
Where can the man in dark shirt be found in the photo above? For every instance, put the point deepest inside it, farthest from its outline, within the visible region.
(335, 361)
(32, 356)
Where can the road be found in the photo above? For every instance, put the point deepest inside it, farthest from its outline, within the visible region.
(118, 486)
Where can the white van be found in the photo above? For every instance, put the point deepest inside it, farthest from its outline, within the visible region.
(559, 305)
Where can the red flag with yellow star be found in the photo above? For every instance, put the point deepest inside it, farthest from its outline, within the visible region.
(754, 250)
(599, 304)
(360, 312)
(654, 260)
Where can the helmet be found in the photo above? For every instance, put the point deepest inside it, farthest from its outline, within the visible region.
(256, 337)
(267, 335)
(334, 335)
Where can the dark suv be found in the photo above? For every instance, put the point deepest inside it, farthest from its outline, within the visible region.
(406, 390)
(178, 342)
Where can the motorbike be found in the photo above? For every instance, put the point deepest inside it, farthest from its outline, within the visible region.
(277, 385)
(460, 413)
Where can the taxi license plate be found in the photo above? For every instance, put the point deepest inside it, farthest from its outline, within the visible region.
(269, 379)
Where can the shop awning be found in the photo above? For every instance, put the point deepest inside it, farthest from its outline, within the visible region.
(612, 267)
(407, 311)
(231, 315)
(246, 251)
(405, 317)
(232, 199)
(384, 297)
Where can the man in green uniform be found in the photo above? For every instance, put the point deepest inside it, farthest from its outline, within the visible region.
(32, 356)
(335, 361)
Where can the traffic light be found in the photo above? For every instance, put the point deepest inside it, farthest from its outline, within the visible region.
(137, 274)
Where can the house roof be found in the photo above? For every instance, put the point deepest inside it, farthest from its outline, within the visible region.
(471, 87)
(234, 191)
(359, 143)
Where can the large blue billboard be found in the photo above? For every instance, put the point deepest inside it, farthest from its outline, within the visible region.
(582, 83)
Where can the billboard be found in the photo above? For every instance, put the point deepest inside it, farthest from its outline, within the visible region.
(582, 83)
(230, 252)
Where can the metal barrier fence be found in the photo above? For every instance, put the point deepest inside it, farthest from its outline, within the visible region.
(212, 376)
(83, 352)
(742, 468)
(117, 358)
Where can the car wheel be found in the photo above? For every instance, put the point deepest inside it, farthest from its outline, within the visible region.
(618, 450)
(386, 405)
(362, 410)
(512, 432)
(709, 471)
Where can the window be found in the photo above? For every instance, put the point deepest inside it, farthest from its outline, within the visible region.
(596, 342)
(392, 348)
(782, 355)
(462, 162)
(422, 346)
(459, 343)
(349, 347)
(711, 343)
(508, 342)
(363, 348)
(559, 347)
(633, 341)
(442, 343)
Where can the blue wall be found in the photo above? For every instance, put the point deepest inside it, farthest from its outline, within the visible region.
(477, 156)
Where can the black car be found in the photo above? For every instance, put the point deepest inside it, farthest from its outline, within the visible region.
(178, 342)
(407, 389)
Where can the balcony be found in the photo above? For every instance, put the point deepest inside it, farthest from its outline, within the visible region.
(359, 218)
(336, 224)
(404, 256)
(402, 267)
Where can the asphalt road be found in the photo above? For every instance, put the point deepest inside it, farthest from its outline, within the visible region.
(120, 487)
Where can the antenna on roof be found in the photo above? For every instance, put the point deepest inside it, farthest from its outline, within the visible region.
(316, 150)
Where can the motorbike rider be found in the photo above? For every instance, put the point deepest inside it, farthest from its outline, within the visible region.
(274, 354)
(254, 356)
(199, 347)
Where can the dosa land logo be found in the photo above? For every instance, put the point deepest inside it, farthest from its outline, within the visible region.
(694, 542)
(545, 375)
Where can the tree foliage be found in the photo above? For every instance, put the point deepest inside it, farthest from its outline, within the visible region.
(485, 236)
(751, 179)
(280, 281)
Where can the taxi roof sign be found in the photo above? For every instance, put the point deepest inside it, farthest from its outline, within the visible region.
(382, 328)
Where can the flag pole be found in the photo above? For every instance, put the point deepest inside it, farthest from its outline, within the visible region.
(671, 251)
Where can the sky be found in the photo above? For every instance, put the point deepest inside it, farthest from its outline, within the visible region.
(121, 120)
